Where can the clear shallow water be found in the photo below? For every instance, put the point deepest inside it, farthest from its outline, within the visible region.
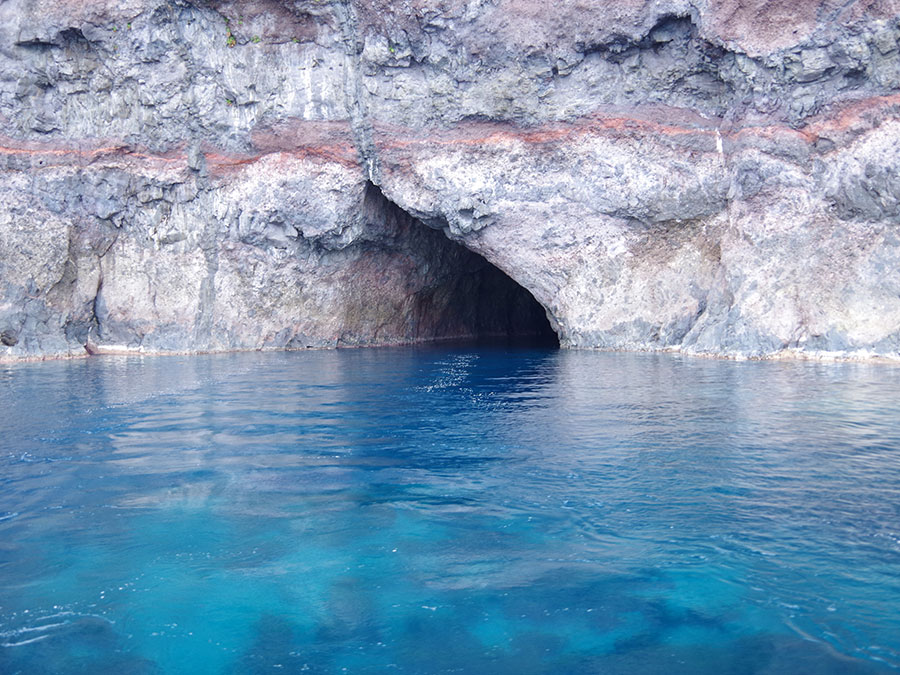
(449, 510)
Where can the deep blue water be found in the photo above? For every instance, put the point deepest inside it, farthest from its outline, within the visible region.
(449, 511)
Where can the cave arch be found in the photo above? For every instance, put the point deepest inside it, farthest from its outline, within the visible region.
(458, 294)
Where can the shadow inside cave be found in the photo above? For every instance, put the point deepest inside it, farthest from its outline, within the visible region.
(495, 310)
(459, 296)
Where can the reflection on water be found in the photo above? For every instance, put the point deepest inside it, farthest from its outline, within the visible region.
(448, 510)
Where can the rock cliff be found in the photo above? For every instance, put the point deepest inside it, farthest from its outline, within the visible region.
(712, 177)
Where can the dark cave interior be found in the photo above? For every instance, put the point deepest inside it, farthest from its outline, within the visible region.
(500, 311)
(459, 295)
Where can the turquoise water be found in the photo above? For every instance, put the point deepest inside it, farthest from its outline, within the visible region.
(449, 511)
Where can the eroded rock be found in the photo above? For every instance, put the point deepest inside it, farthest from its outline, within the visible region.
(715, 178)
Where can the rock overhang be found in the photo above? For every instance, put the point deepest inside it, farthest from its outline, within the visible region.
(617, 197)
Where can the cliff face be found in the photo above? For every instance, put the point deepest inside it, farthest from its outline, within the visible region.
(714, 177)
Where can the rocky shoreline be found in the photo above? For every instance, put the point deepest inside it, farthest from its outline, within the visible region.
(713, 179)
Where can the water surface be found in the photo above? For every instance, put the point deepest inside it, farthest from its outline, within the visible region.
(449, 510)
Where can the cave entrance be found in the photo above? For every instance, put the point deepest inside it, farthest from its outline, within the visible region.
(495, 309)
(457, 294)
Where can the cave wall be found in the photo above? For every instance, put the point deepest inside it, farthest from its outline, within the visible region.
(710, 177)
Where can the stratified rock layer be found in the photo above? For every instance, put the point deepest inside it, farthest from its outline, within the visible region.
(715, 178)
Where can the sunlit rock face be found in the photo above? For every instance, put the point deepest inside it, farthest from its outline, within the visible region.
(710, 177)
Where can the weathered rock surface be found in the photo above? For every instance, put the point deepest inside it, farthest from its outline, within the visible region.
(711, 177)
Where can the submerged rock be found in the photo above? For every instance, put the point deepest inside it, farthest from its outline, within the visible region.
(715, 178)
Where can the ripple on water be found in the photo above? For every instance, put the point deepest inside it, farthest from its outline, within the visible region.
(449, 510)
